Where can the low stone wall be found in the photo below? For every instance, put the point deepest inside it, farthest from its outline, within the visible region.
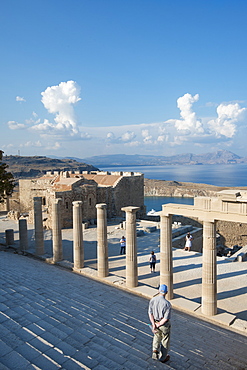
(232, 233)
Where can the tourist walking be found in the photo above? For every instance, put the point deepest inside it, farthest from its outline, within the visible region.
(123, 245)
(188, 242)
(159, 312)
(152, 261)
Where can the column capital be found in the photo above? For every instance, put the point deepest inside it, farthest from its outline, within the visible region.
(209, 219)
(130, 209)
(77, 203)
(101, 205)
(164, 214)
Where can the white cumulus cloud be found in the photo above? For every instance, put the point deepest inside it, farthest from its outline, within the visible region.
(31, 144)
(13, 125)
(19, 98)
(189, 121)
(225, 123)
(60, 100)
(147, 138)
(53, 146)
(128, 136)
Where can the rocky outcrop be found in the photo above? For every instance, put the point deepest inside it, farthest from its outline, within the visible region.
(179, 189)
(37, 166)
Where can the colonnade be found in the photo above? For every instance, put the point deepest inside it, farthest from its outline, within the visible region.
(209, 277)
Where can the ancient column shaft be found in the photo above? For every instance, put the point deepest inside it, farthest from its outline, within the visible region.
(131, 247)
(9, 237)
(102, 246)
(78, 235)
(57, 231)
(166, 263)
(38, 226)
(209, 274)
(23, 236)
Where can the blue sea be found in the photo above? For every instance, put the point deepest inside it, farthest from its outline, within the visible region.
(229, 175)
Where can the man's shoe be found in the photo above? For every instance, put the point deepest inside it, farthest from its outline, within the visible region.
(155, 355)
(166, 359)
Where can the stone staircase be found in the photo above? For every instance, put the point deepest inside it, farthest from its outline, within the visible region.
(47, 323)
(52, 318)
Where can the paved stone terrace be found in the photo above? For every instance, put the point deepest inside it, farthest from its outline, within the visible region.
(231, 276)
(52, 318)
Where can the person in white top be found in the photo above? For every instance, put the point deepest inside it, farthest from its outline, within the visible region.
(123, 245)
(188, 242)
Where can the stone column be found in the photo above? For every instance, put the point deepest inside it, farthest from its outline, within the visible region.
(38, 226)
(131, 247)
(77, 235)
(166, 264)
(102, 246)
(57, 231)
(209, 274)
(23, 234)
(9, 237)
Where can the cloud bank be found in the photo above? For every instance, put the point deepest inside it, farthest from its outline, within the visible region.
(60, 100)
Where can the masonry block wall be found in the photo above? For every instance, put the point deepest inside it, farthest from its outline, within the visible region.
(32, 188)
(130, 192)
(117, 190)
(233, 233)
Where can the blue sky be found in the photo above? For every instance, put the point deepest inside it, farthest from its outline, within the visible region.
(90, 77)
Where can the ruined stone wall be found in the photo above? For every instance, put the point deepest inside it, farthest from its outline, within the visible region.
(85, 193)
(32, 188)
(231, 233)
(89, 199)
(105, 195)
(129, 192)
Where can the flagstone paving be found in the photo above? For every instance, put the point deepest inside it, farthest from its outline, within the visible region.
(52, 318)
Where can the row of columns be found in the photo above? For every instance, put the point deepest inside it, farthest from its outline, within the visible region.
(209, 277)
(78, 250)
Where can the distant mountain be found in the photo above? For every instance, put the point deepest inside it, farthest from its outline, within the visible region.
(22, 167)
(219, 157)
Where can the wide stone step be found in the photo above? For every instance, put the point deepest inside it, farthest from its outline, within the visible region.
(54, 319)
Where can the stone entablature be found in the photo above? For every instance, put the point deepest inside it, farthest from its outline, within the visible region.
(226, 206)
(226, 201)
(222, 207)
(117, 190)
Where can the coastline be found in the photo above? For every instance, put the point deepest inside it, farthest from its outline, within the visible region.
(166, 188)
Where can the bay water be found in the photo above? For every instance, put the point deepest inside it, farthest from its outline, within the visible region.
(229, 175)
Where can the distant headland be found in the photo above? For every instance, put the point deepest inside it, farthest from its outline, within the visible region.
(218, 157)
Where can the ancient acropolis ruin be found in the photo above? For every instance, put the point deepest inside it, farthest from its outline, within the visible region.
(228, 205)
(116, 189)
